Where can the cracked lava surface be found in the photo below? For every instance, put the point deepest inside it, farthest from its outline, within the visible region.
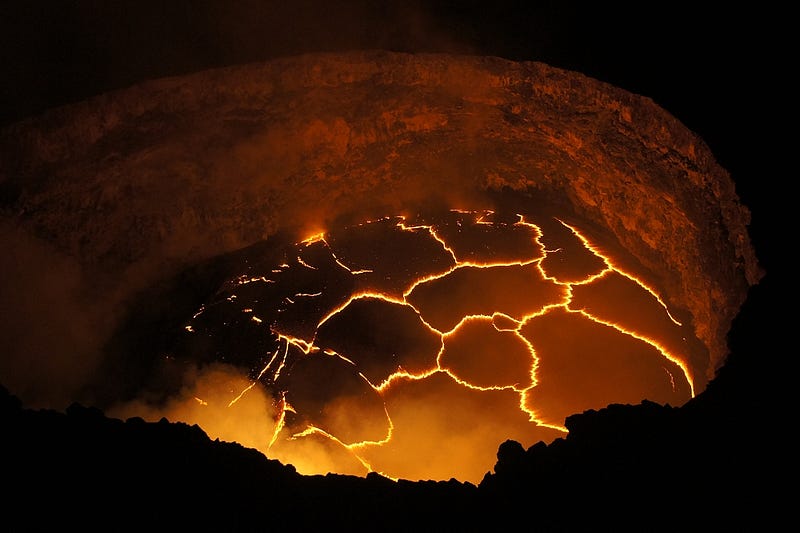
(414, 346)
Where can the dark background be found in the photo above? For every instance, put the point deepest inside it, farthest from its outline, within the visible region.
(718, 70)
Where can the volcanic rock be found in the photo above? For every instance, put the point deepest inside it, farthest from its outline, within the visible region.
(138, 184)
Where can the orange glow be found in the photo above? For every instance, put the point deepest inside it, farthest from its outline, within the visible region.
(414, 347)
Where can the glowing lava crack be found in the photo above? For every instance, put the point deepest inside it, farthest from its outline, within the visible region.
(414, 347)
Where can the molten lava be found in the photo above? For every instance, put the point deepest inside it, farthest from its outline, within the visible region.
(413, 347)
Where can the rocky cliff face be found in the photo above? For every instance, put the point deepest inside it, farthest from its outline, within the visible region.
(137, 184)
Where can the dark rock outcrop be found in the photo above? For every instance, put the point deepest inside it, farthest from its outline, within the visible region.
(80, 469)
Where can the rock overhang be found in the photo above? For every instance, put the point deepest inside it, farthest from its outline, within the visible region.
(147, 180)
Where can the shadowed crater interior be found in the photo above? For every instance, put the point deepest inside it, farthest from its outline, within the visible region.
(371, 261)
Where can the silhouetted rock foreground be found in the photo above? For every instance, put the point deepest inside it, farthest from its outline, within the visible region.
(640, 468)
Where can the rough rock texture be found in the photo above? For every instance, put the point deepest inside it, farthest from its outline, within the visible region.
(142, 182)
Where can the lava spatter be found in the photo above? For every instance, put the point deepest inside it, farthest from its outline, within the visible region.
(413, 347)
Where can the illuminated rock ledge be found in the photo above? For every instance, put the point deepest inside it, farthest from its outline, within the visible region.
(136, 185)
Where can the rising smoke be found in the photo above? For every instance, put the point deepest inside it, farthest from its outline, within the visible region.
(52, 321)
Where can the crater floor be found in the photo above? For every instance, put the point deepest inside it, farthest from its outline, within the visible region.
(414, 345)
